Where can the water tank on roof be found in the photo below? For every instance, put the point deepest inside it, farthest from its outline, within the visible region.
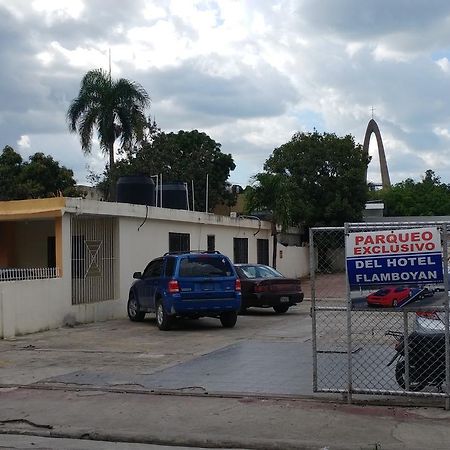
(136, 189)
(174, 195)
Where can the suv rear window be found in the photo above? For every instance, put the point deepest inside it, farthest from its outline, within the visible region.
(170, 267)
(205, 266)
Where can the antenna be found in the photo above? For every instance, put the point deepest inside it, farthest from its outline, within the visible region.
(109, 59)
(207, 187)
(373, 109)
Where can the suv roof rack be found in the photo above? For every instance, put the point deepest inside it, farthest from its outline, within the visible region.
(193, 251)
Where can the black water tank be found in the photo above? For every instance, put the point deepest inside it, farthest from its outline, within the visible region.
(136, 189)
(174, 195)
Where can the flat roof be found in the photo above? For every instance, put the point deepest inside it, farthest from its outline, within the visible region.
(58, 206)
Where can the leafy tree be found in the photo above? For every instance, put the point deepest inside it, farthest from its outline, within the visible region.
(429, 197)
(41, 176)
(327, 176)
(272, 193)
(183, 156)
(115, 108)
(10, 169)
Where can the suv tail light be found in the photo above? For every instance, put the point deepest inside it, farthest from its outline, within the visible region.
(173, 287)
(432, 315)
(237, 285)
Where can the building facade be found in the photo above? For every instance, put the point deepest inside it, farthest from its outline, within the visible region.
(68, 260)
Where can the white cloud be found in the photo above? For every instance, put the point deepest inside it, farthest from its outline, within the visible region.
(24, 141)
(384, 53)
(250, 73)
(154, 12)
(444, 64)
(443, 132)
(55, 10)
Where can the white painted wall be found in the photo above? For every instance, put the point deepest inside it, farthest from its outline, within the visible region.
(30, 306)
(294, 261)
(34, 305)
(138, 247)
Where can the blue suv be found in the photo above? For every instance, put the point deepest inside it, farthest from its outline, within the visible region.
(188, 284)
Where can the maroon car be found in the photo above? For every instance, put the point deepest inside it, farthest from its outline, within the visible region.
(264, 287)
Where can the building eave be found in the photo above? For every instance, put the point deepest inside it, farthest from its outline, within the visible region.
(42, 208)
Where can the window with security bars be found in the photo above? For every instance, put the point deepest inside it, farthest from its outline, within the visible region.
(262, 251)
(179, 242)
(94, 259)
(240, 250)
(211, 242)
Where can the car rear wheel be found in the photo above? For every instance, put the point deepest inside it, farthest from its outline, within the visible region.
(163, 320)
(133, 309)
(228, 319)
(280, 309)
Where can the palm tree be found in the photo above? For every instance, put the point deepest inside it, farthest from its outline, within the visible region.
(115, 108)
(272, 194)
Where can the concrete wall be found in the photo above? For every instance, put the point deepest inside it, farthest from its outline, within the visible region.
(138, 247)
(34, 305)
(293, 261)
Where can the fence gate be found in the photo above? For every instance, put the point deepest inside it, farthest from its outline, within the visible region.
(93, 259)
(353, 342)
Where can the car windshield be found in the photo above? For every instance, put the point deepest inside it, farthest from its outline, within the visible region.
(400, 289)
(205, 266)
(260, 272)
(381, 292)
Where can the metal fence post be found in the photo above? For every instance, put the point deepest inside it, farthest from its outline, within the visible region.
(312, 272)
(444, 232)
(406, 348)
(349, 328)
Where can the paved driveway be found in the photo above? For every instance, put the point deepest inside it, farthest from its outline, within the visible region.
(265, 353)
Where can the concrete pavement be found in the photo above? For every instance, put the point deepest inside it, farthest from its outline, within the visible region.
(214, 422)
(46, 389)
(27, 442)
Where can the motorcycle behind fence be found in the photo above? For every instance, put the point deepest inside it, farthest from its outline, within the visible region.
(426, 355)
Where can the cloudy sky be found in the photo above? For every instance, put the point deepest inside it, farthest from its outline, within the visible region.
(249, 73)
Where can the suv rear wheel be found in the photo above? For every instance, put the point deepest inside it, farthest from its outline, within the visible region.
(228, 319)
(134, 312)
(163, 320)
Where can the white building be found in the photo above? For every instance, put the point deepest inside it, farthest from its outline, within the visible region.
(69, 260)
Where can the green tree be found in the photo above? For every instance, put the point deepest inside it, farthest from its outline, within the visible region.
(327, 174)
(184, 156)
(115, 108)
(41, 176)
(10, 169)
(428, 197)
(274, 194)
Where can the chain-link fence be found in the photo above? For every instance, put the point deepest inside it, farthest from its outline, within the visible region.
(383, 334)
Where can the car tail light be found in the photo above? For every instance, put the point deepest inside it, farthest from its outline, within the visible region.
(173, 287)
(432, 315)
(261, 288)
(237, 285)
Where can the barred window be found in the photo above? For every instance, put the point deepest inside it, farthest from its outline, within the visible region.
(211, 242)
(240, 248)
(179, 242)
(262, 251)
